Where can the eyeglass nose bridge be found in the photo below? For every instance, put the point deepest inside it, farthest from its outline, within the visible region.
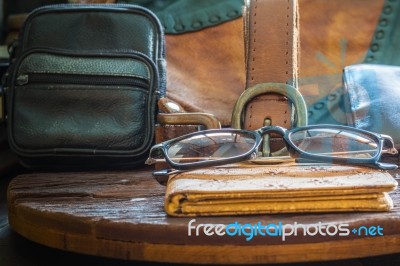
(272, 129)
(266, 88)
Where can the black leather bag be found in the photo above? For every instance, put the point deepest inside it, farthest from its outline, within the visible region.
(83, 86)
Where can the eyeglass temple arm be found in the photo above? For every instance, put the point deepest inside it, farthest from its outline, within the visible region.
(162, 176)
(153, 151)
(389, 144)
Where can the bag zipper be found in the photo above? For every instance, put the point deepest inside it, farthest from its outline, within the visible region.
(116, 7)
(74, 79)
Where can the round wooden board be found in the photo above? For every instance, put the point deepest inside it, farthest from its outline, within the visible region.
(120, 215)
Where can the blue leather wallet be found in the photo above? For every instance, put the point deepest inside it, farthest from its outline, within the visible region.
(372, 98)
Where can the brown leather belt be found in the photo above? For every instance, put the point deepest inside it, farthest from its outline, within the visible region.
(272, 49)
(271, 54)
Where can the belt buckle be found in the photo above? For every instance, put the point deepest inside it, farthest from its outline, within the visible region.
(266, 88)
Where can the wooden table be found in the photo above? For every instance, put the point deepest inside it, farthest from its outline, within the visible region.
(121, 215)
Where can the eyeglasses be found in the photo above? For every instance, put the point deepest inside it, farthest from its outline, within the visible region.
(317, 143)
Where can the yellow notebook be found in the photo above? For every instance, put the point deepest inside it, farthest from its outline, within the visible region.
(246, 188)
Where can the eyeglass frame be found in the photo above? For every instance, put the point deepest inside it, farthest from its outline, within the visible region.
(294, 151)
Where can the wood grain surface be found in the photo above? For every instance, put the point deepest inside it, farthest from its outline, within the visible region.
(121, 215)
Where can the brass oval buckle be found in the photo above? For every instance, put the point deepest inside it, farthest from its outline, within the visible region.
(265, 88)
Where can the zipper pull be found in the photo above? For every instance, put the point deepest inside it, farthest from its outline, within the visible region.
(22, 80)
(157, 95)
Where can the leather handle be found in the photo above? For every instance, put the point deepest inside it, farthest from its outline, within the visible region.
(175, 121)
(207, 120)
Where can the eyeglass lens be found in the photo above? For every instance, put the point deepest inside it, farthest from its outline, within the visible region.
(331, 142)
(211, 146)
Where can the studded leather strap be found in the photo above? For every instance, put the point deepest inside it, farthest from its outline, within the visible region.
(272, 49)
